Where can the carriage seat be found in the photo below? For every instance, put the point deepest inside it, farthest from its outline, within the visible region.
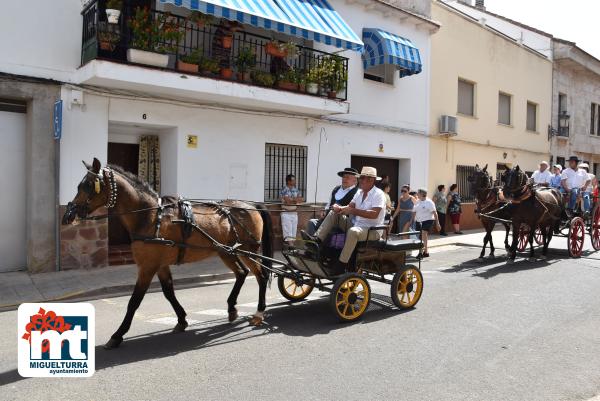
(394, 245)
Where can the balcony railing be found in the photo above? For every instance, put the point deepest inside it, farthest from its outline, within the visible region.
(208, 47)
(563, 132)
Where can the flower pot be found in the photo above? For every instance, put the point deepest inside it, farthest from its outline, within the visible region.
(113, 15)
(312, 88)
(342, 94)
(332, 94)
(227, 42)
(148, 58)
(243, 77)
(187, 67)
(302, 88)
(290, 86)
(274, 50)
(106, 45)
(226, 73)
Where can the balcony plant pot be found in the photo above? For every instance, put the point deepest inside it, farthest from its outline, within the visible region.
(227, 41)
(332, 94)
(312, 88)
(226, 73)
(106, 45)
(273, 50)
(302, 88)
(244, 77)
(148, 58)
(113, 15)
(290, 86)
(187, 67)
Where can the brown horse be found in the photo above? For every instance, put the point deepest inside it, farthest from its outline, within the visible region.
(488, 202)
(159, 239)
(533, 207)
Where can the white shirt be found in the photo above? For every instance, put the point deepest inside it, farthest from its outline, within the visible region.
(591, 177)
(575, 179)
(541, 177)
(375, 198)
(340, 193)
(424, 210)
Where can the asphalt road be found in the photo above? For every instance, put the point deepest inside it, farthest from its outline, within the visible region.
(482, 331)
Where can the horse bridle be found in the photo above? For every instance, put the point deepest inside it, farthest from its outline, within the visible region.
(96, 187)
(522, 185)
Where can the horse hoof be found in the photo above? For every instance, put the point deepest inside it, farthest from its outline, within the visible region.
(510, 261)
(256, 321)
(532, 259)
(492, 256)
(543, 257)
(113, 343)
(180, 327)
(481, 258)
(232, 316)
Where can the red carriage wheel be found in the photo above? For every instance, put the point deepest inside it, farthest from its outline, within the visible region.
(595, 228)
(539, 239)
(523, 237)
(576, 237)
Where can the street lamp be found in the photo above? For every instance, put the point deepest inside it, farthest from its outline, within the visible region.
(563, 123)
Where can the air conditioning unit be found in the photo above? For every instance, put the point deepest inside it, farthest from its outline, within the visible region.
(448, 126)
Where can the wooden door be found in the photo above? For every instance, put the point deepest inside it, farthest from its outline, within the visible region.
(389, 167)
(124, 155)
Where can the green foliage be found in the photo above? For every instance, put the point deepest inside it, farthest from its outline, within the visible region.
(246, 60)
(208, 64)
(192, 58)
(201, 19)
(158, 32)
(263, 78)
(114, 4)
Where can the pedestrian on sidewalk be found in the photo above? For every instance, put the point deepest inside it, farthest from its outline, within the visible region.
(405, 208)
(454, 208)
(290, 197)
(388, 201)
(425, 215)
(441, 205)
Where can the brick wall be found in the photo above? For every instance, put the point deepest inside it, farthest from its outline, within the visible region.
(84, 245)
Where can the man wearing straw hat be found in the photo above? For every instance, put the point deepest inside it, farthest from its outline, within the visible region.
(543, 176)
(367, 209)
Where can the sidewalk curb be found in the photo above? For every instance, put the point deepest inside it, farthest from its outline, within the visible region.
(121, 290)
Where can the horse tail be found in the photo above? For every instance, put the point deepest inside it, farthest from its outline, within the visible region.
(267, 236)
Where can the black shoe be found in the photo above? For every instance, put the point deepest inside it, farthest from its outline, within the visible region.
(425, 254)
(458, 232)
(444, 234)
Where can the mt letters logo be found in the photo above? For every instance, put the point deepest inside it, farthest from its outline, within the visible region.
(56, 340)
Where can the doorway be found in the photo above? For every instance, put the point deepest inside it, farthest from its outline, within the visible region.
(389, 167)
(126, 156)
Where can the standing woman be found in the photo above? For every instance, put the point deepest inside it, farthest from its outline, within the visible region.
(441, 205)
(454, 208)
(388, 201)
(404, 209)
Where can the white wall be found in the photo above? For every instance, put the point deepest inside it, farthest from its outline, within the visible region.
(41, 38)
(230, 144)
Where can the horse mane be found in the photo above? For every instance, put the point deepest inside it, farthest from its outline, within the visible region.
(135, 181)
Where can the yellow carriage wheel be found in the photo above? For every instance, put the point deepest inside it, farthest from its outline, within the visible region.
(407, 287)
(350, 297)
(293, 290)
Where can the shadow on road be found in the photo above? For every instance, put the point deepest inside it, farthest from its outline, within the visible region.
(303, 319)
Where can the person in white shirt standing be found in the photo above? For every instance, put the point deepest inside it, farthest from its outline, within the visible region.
(366, 210)
(542, 176)
(574, 180)
(587, 194)
(425, 214)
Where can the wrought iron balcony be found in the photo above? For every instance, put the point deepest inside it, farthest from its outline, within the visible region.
(203, 46)
(563, 132)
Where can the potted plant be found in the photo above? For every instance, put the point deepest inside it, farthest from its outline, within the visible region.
(108, 39)
(313, 78)
(246, 60)
(282, 50)
(301, 81)
(337, 76)
(201, 20)
(189, 62)
(288, 80)
(113, 11)
(262, 78)
(208, 66)
(227, 41)
(153, 37)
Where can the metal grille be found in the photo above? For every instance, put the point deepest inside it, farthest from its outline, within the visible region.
(462, 180)
(281, 160)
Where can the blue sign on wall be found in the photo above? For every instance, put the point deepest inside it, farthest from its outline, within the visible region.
(58, 119)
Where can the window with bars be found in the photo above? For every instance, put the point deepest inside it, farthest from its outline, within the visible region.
(595, 121)
(561, 160)
(281, 160)
(462, 180)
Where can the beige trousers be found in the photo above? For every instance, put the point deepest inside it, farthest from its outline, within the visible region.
(353, 234)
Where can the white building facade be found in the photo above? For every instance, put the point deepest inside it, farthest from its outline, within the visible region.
(222, 138)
